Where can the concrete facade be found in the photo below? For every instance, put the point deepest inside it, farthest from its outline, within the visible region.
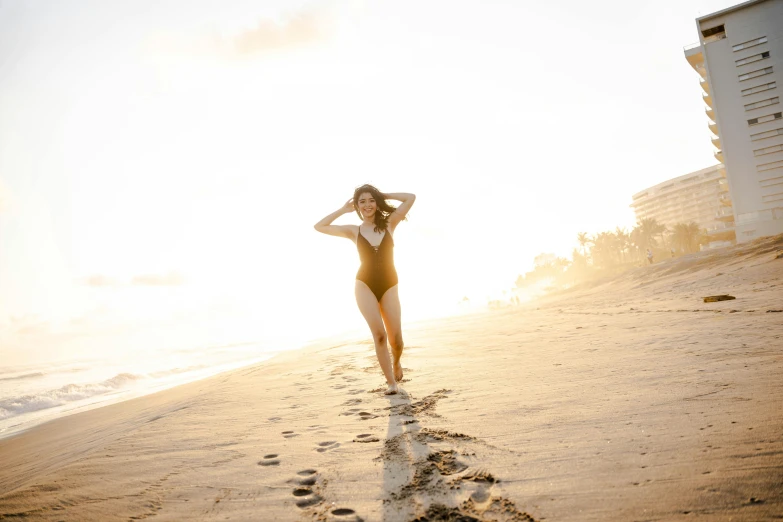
(740, 60)
(700, 197)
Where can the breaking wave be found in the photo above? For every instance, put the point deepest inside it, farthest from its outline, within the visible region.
(11, 407)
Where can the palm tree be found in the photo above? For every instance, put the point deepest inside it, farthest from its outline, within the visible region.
(583, 239)
(561, 264)
(636, 242)
(648, 229)
(604, 249)
(623, 241)
(685, 237)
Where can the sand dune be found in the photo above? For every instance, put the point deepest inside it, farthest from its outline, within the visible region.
(626, 399)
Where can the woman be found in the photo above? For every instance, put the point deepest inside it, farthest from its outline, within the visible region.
(376, 281)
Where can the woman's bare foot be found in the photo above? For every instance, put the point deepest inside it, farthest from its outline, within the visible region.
(396, 364)
(397, 371)
(391, 390)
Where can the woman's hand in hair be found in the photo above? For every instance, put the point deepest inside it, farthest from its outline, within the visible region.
(349, 206)
(325, 225)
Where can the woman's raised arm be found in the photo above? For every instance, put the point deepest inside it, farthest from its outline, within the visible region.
(399, 214)
(325, 225)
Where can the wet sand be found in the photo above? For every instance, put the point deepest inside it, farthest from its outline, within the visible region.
(626, 399)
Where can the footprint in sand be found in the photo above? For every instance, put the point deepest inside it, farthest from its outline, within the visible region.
(481, 495)
(366, 437)
(305, 496)
(343, 512)
(351, 411)
(326, 446)
(480, 476)
(274, 419)
(269, 460)
(308, 477)
(446, 462)
(289, 434)
(366, 415)
(355, 391)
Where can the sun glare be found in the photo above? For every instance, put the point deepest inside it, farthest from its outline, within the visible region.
(181, 179)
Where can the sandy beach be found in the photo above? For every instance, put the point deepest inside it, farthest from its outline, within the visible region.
(627, 399)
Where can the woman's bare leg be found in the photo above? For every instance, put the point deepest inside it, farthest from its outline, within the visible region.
(392, 318)
(368, 306)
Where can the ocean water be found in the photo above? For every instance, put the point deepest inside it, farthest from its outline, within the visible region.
(34, 393)
(123, 366)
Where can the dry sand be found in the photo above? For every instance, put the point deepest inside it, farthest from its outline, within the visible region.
(629, 399)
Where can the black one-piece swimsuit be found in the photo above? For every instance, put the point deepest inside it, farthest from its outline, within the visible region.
(377, 270)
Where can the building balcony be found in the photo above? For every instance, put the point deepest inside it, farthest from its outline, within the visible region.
(694, 55)
(713, 128)
(716, 142)
(720, 228)
(725, 233)
(723, 186)
(719, 155)
(705, 87)
(707, 99)
(725, 200)
(725, 214)
(710, 113)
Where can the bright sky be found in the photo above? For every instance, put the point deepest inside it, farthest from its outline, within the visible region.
(162, 163)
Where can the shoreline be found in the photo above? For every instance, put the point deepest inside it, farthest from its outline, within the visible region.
(630, 399)
(116, 397)
(129, 394)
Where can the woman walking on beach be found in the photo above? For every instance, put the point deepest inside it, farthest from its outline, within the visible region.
(376, 281)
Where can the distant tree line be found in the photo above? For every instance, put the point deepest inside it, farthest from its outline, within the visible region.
(615, 251)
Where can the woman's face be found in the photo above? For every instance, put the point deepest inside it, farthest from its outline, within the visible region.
(367, 205)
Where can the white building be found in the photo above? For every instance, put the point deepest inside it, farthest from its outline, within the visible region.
(739, 59)
(700, 197)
